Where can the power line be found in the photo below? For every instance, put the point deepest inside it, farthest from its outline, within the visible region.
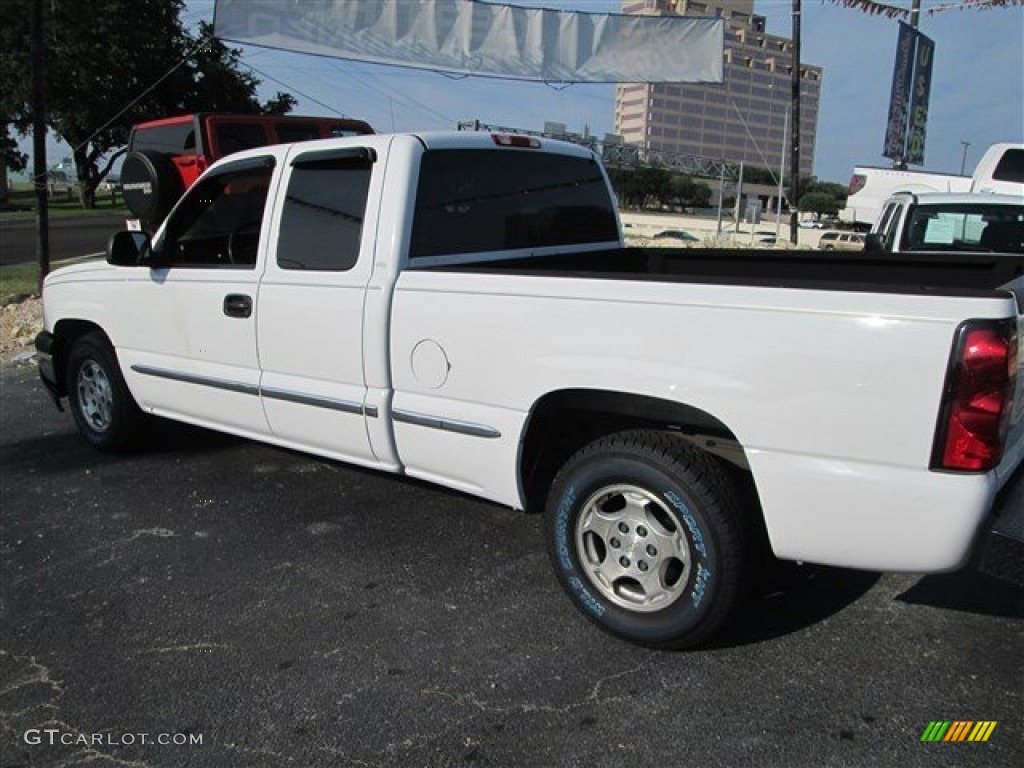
(261, 73)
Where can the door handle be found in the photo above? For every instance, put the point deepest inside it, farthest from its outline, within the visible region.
(237, 305)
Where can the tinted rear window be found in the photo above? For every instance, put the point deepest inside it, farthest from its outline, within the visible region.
(1011, 166)
(174, 139)
(476, 201)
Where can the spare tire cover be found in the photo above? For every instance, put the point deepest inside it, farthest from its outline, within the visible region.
(151, 185)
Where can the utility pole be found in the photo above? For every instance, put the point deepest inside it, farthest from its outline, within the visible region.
(39, 142)
(794, 192)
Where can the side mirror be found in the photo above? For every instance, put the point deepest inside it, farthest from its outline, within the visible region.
(873, 243)
(128, 249)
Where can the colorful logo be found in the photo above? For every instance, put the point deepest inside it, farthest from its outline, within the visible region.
(959, 730)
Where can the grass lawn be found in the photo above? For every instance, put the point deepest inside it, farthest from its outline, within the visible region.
(17, 280)
(21, 204)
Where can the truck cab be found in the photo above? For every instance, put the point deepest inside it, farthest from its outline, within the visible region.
(982, 223)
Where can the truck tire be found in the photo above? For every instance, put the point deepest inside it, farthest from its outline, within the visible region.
(151, 185)
(644, 534)
(103, 409)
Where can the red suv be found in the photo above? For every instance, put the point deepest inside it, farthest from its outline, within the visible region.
(165, 157)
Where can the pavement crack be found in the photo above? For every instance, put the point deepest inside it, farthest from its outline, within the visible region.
(594, 696)
(37, 674)
(187, 648)
(138, 533)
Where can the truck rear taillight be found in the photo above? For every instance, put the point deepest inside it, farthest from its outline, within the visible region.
(978, 397)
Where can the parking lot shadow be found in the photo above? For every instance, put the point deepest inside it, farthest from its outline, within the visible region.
(969, 591)
(792, 597)
(58, 452)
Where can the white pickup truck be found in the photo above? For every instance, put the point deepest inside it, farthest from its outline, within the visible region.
(1000, 170)
(461, 308)
(972, 223)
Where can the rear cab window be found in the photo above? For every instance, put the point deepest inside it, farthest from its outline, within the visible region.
(965, 227)
(474, 204)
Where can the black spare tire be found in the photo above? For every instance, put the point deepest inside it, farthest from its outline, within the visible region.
(151, 185)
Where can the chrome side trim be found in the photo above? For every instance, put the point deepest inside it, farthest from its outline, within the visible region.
(446, 425)
(345, 406)
(189, 378)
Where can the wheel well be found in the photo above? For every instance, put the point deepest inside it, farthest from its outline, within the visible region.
(65, 334)
(563, 422)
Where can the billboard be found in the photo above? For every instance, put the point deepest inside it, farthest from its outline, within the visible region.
(908, 100)
(489, 39)
(919, 99)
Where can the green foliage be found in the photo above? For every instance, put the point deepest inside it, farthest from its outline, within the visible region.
(820, 203)
(13, 159)
(837, 191)
(755, 175)
(651, 187)
(103, 54)
(688, 193)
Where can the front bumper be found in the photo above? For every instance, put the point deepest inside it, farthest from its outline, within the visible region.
(44, 358)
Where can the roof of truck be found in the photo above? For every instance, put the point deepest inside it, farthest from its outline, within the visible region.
(958, 198)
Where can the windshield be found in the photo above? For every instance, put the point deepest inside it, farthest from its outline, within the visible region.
(965, 227)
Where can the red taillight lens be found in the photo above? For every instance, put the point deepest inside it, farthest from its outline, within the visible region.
(979, 395)
(857, 182)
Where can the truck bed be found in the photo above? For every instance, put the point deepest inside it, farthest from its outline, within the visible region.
(954, 274)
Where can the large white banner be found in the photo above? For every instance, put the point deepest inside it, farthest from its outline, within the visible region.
(478, 38)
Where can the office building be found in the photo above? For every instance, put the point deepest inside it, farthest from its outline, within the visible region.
(742, 119)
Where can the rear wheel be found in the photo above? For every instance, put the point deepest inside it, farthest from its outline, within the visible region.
(644, 533)
(103, 409)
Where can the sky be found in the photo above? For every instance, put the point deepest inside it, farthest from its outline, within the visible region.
(977, 91)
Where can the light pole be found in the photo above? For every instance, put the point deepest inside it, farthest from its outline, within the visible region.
(794, 167)
(963, 160)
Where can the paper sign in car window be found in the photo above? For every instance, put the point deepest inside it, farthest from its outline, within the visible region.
(940, 231)
(973, 227)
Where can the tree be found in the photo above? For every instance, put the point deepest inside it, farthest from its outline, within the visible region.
(104, 55)
(819, 203)
(686, 192)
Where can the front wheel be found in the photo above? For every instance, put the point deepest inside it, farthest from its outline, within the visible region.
(103, 409)
(644, 534)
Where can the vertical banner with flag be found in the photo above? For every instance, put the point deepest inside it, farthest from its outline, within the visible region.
(919, 99)
(899, 99)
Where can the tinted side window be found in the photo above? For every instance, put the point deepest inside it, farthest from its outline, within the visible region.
(234, 137)
(218, 223)
(474, 201)
(176, 139)
(322, 218)
(289, 132)
(1011, 166)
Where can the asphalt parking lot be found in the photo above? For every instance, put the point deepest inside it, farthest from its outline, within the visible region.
(288, 611)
